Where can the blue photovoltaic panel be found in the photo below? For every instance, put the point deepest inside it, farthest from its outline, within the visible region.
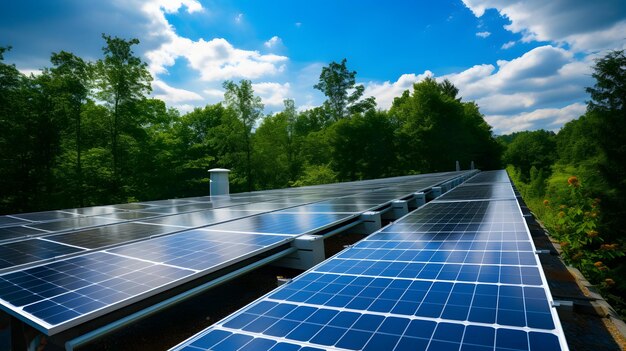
(62, 293)
(201, 218)
(451, 276)
(8, 233)
(480, 192)
(31, 250)
(329, 207)
(11, 221)
(73, 223)
(490, 177)
(199, 249)
(221, 340)
(58, 295)
(112, 234)
(45, 216)
(285, 223)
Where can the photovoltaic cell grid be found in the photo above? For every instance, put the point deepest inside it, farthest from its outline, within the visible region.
(62, 294)
(59, 295)
(428, 289)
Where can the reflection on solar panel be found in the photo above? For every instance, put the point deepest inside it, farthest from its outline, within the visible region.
(283, 223)
(27, 251)
(199, 249)
(453, 276)
(480, 192)
(111, 235)
(73, 223)
(8, 233)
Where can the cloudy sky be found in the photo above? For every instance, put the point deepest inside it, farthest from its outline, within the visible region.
(525, 63)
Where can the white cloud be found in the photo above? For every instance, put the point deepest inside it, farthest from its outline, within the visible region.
(298, 24)
(547, 118)
(585, 25)
(483, 34)
(508, 45)
(215, 59)
(273, 42)
(239, 18)
(385, 92)
(173, 95)
(272, 94)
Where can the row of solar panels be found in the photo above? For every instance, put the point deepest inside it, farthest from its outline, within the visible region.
(67, 274)
(460, 273)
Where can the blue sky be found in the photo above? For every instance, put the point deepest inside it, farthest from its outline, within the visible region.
(525, 63)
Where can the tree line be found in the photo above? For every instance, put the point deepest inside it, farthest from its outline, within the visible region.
(575, 180)
(85, 133)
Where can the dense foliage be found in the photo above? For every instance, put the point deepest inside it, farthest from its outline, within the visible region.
(86, 133)
(575, 181)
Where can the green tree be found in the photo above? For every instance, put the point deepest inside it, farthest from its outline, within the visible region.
(70, 79)
(363, 146)
(336, 82)
(435, 129)
(122, 81)
(248, 109)
(532, 149)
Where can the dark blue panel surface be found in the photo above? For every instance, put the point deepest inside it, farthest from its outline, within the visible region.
(201, 218)
(30, 251)
(112, 234)
(73, 223)
(286, 223)
(479, 192)
(61, 291)
(8, 233)
(198, 249)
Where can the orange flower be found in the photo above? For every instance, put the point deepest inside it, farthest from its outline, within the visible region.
(573, 181)
(609, 281)
(546, 202)
(594, 214)
(564, 244)
(592, 233)
(577, 256)
(561, 214)
(598, 264)
(603, 268)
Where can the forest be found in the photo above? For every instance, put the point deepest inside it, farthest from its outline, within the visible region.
(86, 133)
(575, 180)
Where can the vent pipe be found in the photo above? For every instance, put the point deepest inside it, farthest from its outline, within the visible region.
(458, 166)
(219, 181)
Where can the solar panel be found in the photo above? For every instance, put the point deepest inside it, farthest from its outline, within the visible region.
(8, 233)
(283, 223)
(452, 276)
(12, 221)
(73, 223)
(199, 249)
(201, 218)
(490, 177)
(480, 192)
(45, 216)
(330, 207)
(31, 250)
(60, 294)
(111, 235)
